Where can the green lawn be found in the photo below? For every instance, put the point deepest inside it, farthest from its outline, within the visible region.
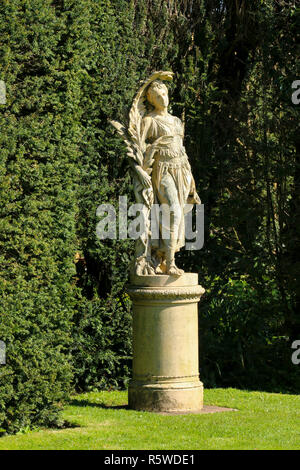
(263, 421)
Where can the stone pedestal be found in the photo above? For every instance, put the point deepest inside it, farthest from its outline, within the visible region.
(165, 344)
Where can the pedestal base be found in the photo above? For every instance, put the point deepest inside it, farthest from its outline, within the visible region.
(165, 344)
(171, 398)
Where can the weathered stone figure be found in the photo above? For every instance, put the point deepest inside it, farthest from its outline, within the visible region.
(162, 175)
(172, 179)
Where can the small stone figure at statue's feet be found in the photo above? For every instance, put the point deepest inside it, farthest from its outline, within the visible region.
(161, 267)
(144, 267)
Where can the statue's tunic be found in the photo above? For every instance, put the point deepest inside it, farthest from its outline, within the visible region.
(171, 174)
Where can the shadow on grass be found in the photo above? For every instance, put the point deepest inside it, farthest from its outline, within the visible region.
(65, 425)
(102, 405)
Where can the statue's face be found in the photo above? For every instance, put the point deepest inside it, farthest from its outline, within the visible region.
(158, 97)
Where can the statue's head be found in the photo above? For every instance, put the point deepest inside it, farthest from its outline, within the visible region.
(157, 95)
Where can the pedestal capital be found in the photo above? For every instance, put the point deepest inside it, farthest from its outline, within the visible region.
(163, 288)
(170, 295)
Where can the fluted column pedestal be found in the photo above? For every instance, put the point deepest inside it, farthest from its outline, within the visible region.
(165, 344)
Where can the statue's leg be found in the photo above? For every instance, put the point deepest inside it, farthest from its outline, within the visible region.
(171, 217)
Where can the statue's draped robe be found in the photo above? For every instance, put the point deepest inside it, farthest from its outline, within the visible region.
(171, 177)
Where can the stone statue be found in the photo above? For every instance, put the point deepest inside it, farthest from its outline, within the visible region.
(161, 174)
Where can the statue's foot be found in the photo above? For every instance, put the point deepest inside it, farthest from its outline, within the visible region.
(174, 271)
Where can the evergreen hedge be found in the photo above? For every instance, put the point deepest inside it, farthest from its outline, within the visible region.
(38, 210)
(64, 316)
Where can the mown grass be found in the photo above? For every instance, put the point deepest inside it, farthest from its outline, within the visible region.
(102, 421)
